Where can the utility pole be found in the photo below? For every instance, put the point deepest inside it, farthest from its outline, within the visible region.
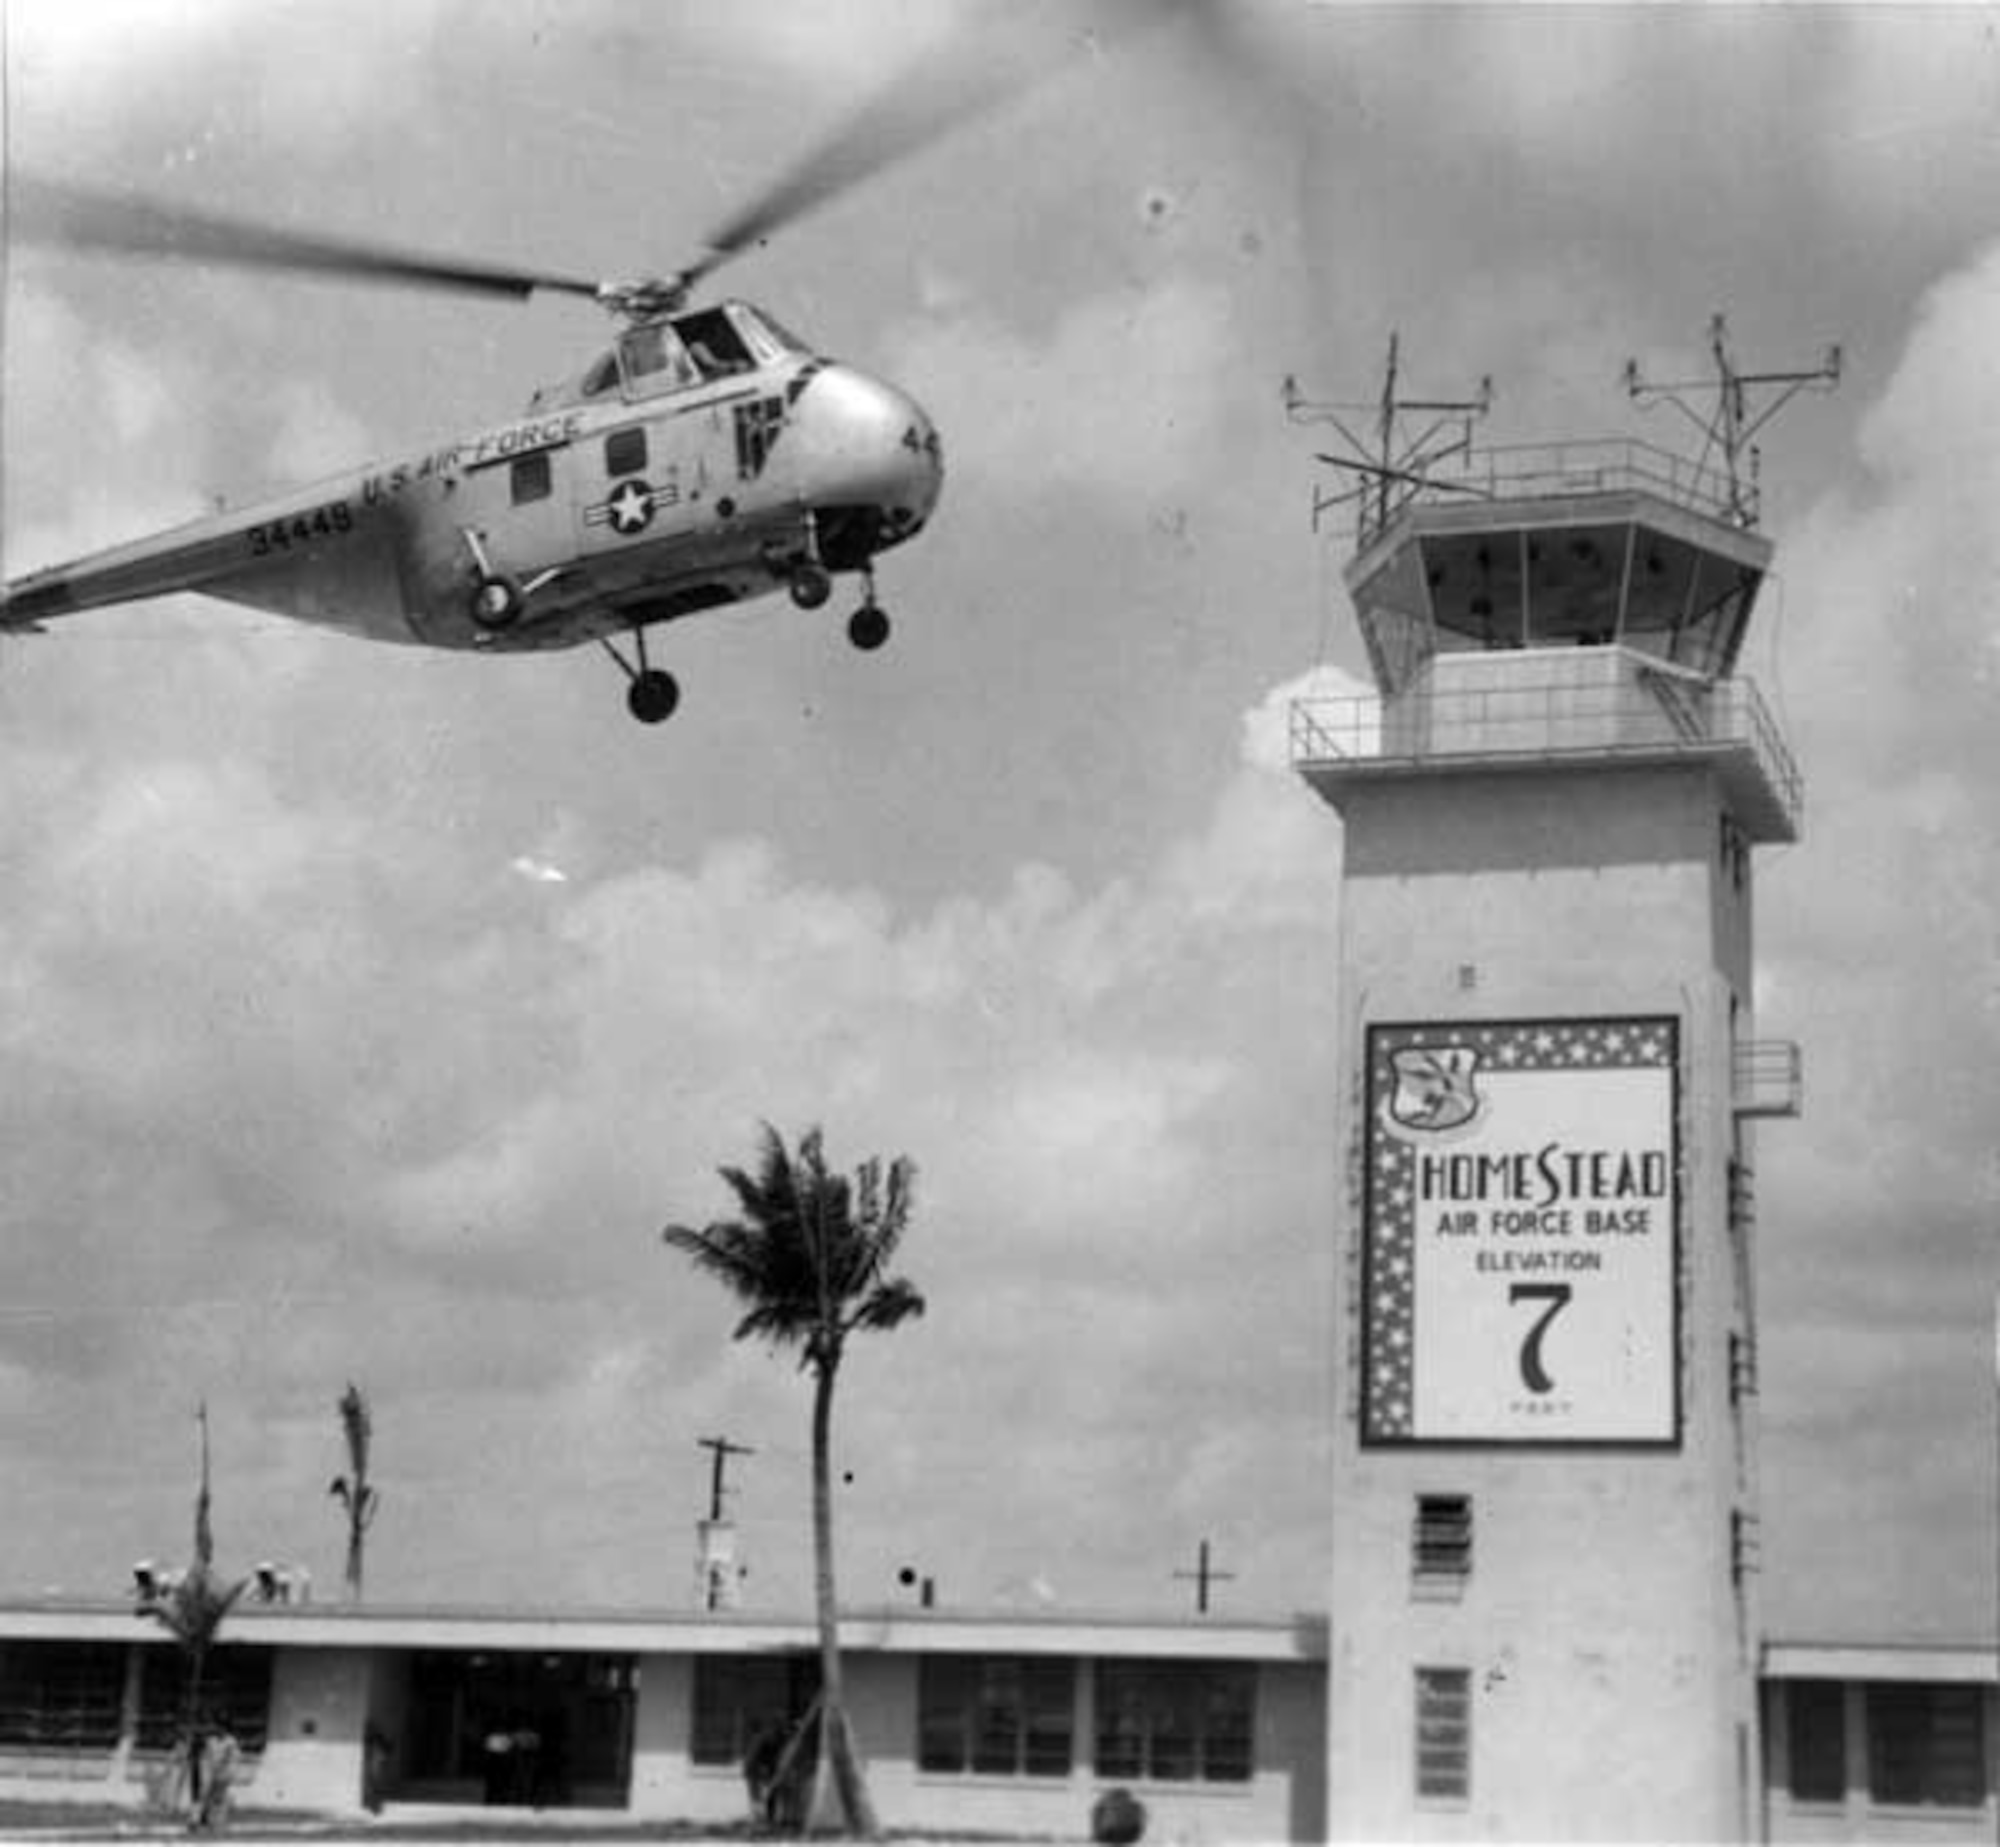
(1204, 1575)
(723, 1449)
(716, 1565)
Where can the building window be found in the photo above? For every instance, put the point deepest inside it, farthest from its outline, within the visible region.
(235, 1688)
(532, 479)
(1816, 1740)
(1444, 1734)
(1926, 1746)
(1176, 1721)
(1441, 1542)
(995, 1715)
(625, 451)
(736, 1699)
(61, 1696)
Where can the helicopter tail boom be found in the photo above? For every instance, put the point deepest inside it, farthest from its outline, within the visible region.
(313, 554)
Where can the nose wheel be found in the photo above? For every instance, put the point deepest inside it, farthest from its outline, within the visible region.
(651, 693)
(868, 627)
(652, 696)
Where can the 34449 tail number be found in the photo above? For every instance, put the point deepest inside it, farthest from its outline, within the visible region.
(326, 522)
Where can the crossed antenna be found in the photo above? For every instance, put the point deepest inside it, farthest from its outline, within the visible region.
(1396, 464)
(1727, 418)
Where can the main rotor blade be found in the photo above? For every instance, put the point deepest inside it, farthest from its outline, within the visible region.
(46, 211)
(1002, 53)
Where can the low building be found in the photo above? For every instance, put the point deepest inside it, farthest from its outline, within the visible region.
(1880, 1743)
(1001, 1723)
(1012, 1723)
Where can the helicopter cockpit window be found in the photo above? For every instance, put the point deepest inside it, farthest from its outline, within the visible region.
(782, 339)
(714, 343)
(654, 360)
(601, 377)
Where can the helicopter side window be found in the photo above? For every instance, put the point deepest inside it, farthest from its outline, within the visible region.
(532, 479)
(654, 360)
(715, 344)
(625, 451)
(601, 377)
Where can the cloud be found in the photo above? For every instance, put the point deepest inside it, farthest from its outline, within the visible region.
(1080, 414)
(1880, 935)
(1907, 111)
(103, 81)
(321, 1055)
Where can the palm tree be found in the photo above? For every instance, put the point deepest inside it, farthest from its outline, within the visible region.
(810, 1256)
(352, 1490)
(192, 1611)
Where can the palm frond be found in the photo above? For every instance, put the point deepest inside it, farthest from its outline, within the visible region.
(358, 1425)
(810, 1253)
(193, 1610)
(888, 1306)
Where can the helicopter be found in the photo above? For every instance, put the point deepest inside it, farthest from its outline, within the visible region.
(707, 457)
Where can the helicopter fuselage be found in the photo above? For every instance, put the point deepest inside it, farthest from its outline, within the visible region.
(704, 460)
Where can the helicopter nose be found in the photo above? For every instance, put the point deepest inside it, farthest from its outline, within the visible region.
(865, 446)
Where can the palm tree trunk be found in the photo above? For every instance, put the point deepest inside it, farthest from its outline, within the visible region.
(190, 1738)
(840, 1794)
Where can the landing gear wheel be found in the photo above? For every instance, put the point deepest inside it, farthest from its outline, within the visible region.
(811, 585)
(497, 602)
(652, 696)
(868, 628)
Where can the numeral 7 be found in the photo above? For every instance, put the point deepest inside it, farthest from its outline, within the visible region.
(1534, 1375)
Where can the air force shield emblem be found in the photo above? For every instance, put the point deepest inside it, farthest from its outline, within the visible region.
(1436, 1087)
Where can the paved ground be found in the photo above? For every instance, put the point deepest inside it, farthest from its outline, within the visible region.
(80, 1822)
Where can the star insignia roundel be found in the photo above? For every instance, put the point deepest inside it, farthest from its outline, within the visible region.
(631, 508)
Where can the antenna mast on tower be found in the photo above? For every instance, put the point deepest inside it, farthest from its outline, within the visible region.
(1729, 419)
(1396, 463)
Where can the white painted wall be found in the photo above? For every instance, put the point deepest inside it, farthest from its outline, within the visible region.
(312, 1757)
(1613, 1681)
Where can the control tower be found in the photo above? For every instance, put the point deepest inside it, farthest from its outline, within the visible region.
(1544, 1596)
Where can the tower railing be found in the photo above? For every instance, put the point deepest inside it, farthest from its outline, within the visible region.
(1768, 1077)
(1539, 471)
(1547, 715)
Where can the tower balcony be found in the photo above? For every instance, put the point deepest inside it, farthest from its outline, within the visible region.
(1540, 709)
(1768, 1078)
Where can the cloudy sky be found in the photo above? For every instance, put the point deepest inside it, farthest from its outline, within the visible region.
(365, 1013)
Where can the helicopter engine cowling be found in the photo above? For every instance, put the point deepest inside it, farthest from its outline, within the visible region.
(866, 459)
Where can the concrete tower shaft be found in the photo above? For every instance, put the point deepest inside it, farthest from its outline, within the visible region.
(1544, 1610)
